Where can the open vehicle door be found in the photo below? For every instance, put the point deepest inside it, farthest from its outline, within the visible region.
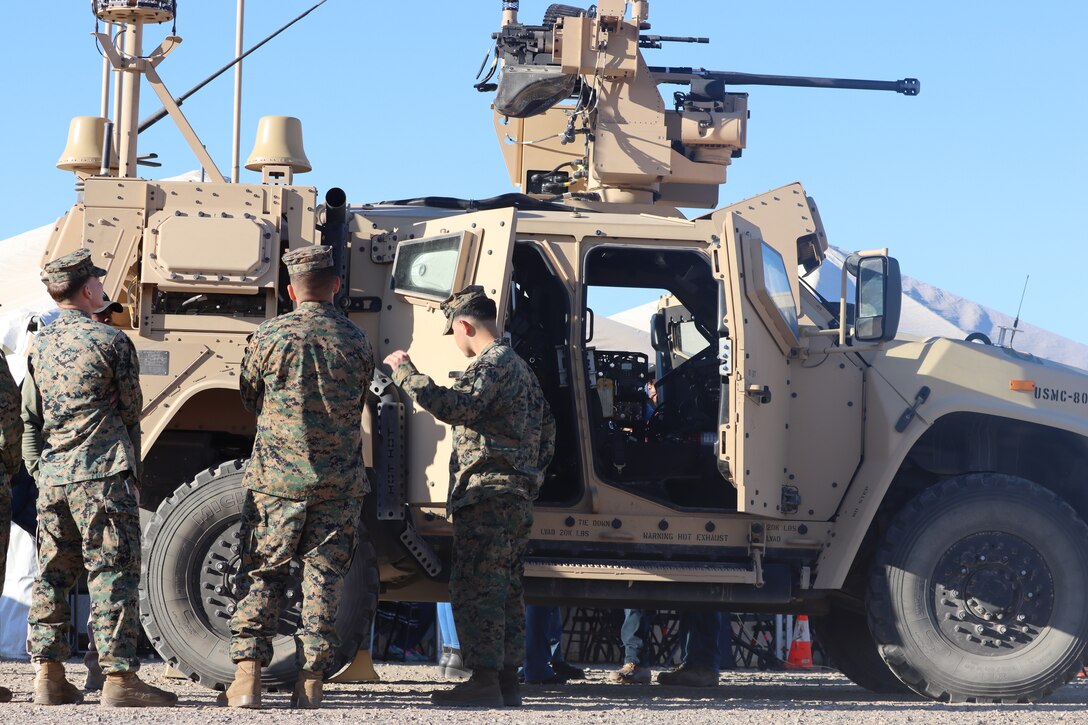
(761, 324)
(446, 255)
(765, 243)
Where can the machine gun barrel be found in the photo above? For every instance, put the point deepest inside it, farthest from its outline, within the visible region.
(684, 76)
(655, 41)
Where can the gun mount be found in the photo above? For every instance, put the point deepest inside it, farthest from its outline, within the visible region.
(582, 73)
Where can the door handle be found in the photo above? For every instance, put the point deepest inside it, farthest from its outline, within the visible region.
(761, 393)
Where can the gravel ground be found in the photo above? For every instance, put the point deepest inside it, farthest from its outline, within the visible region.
(403, 696)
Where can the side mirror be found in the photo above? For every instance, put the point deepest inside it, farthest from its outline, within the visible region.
(878, 297)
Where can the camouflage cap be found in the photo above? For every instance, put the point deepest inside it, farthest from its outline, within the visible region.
(307, 259)
(109, 305)
(457, 302)
(71, 267)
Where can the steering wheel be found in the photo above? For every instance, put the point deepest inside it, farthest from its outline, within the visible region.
(670, 407)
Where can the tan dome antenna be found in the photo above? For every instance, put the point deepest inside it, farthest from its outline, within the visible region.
(278, 153)
(88, 142)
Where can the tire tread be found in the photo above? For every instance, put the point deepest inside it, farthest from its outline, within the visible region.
(881, 618)
(151, 625)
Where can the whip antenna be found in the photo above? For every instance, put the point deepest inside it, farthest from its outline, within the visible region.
(1011, 331)
(1016, 322)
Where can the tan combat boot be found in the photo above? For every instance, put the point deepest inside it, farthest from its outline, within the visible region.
(50, 687)
(125, 689)
(245, 691)
(481, 690)
(5, 694)
(307, 694)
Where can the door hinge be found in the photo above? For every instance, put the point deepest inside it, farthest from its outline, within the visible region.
(591, 367)
(757, 545)
(561, 363)
(419, 549)
(390, 455)
(725, 357)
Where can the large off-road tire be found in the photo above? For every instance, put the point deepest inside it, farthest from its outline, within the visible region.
(845, 638)
(978, 591)
(191, 554)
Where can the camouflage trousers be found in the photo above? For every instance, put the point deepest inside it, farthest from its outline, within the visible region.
(274, 531)
(486, 589)
(92, 525)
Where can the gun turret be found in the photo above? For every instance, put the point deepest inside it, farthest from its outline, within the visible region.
(583, 118)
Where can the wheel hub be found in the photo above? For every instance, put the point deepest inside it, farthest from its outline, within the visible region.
(993, 593)
(218, 586)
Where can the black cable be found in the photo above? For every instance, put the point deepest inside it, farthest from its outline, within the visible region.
(162, 112)
(515, 200)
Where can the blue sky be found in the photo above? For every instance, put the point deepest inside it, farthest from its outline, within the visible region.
(974, 184)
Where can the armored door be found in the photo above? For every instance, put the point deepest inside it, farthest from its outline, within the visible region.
(760, 322)
(444, 256)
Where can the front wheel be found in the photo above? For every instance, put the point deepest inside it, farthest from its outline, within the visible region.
(978, 591)
(187, 591)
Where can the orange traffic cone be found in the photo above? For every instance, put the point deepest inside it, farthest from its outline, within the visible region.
(800, 656)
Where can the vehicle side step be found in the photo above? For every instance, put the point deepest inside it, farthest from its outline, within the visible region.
(635, 570)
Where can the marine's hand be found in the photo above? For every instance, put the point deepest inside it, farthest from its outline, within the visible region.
(396, 358)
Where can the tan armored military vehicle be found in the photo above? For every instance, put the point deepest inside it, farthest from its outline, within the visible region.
(924, 501)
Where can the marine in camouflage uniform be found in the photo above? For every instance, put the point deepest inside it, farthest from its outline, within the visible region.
(306, 375)
(87, 378)
(503, 436)
(11, 431)
(32, 450)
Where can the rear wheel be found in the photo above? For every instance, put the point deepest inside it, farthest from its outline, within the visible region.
(187, 593)
(978, 590)
(844, 635)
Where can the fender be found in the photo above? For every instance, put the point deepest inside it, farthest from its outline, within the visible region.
(951, 369)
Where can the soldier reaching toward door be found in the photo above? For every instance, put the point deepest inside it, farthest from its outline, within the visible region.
(504, 437)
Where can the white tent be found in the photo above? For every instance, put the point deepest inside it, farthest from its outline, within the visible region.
(21, 296)
(22, 567)
(611, 334)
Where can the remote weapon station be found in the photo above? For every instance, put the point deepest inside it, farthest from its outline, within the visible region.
(923, 500)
